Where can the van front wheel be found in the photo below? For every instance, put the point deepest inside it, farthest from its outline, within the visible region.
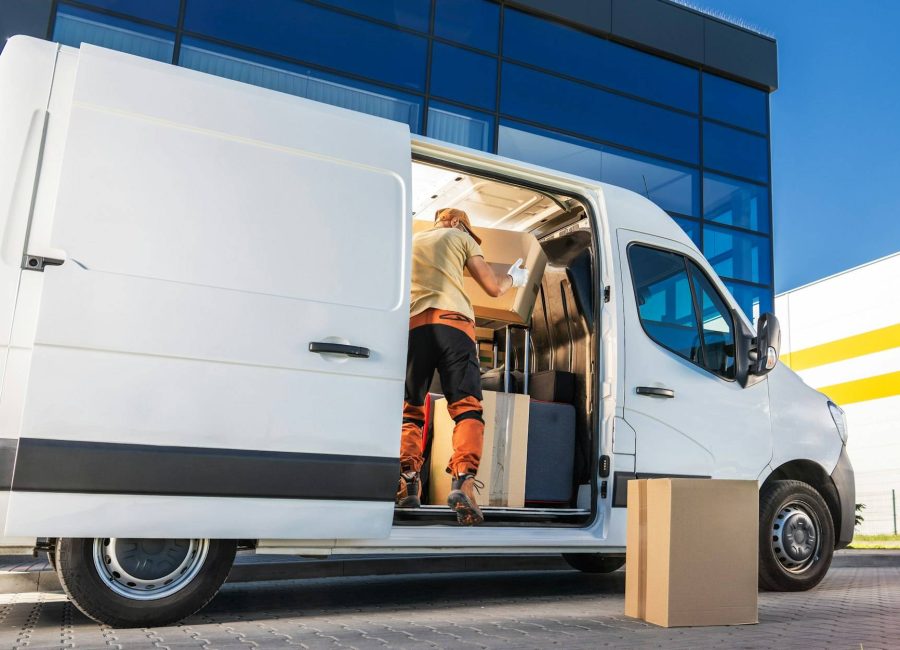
(130, 582)
(796, 537)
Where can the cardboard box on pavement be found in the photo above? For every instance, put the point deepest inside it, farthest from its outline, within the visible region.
(503, 456)
(692, 551)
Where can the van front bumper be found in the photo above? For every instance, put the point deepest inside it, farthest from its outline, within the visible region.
(845, 484)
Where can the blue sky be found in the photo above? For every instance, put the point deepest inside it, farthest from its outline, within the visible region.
(835, 131)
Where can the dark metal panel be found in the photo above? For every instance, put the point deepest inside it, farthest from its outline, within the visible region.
(845, 483)
(740, 54)
(111, 468)
(28, 17)
(594, 15)
(7, 461)
(620, 484)
(659, 25)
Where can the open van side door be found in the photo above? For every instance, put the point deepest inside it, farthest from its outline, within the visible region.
(222, 352)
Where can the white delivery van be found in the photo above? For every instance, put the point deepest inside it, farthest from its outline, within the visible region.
(174, 242)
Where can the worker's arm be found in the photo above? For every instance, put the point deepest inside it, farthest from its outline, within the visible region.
(495, 287)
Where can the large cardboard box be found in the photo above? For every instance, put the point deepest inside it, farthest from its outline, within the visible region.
(502, 248)
(503, 457)
(692, 552)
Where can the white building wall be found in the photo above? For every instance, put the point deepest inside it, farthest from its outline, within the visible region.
(842, 336)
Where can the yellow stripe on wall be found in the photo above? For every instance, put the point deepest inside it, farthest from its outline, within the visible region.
(862, 390)
(847, 348)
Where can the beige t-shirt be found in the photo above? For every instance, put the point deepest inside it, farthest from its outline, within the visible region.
(439, 257)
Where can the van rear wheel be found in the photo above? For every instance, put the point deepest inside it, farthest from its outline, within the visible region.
(594, 562)
(130, 582)
(796, 537)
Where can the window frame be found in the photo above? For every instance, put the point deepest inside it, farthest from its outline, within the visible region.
(694, 303)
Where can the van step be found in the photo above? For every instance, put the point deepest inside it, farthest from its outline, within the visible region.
(493, 515)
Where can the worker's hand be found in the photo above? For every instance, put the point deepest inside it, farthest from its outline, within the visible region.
(519, 275)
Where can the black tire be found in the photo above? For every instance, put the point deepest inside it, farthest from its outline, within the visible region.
(796, 537)
(83, 584)
(594, 562)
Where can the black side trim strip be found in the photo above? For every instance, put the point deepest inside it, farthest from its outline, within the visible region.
(7, 461)
(111, 468)
(620, 484)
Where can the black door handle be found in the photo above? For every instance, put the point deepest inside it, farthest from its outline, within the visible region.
(339, 348)
(653, 391)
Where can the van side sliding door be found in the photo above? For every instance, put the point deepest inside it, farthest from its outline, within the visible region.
(222, 353)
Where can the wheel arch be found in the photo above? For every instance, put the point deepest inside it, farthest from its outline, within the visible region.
(813, 474)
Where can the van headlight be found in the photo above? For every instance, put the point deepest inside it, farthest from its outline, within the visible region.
(840, 420)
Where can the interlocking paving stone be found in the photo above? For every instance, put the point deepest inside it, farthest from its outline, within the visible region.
(855, 606)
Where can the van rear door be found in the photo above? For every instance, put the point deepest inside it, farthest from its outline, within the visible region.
(223, 352)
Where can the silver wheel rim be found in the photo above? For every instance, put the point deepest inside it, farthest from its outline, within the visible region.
(148, 569)
(796, 537)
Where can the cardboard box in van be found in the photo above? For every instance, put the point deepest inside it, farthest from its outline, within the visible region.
(502, 248)
(503, 457)
(691, 552)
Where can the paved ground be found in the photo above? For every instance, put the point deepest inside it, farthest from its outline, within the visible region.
(857, 605)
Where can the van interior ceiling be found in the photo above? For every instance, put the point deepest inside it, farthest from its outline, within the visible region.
(549, 356)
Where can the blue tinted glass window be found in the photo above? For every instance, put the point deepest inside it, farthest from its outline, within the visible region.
(735, 203)
(160, 11)
(738, 255)
(471, 22)
(300, 81)
(672, 187)
(405, 13)
(577, 54)
(736, 152)
(76, 26)
(315, 35)
(735, 103)
(664, 300)
(753, 301)
(464, 76)
(716, 325)
(692, 228)
(460, 126)
(549, 100)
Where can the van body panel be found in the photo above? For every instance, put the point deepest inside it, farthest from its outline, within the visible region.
(712, 426)
(139, 516)
(801, 422)
(26, 76)
(197, 215)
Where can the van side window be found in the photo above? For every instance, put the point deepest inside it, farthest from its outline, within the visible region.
(716, 326)
(681, 310)
(665, 302)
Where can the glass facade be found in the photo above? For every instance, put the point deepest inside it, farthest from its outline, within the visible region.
(487, 76)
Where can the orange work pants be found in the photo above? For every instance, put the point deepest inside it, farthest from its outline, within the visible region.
(443, 341)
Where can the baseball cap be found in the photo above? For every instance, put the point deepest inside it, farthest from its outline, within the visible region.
(446, 214)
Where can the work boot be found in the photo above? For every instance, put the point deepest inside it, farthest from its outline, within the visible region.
(409, 492)
(462, 500)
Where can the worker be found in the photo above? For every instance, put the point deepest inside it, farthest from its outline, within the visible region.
(442, 337)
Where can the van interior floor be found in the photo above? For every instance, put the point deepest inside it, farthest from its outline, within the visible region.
(493, 515)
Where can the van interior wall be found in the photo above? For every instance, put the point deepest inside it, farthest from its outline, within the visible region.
(561, 330)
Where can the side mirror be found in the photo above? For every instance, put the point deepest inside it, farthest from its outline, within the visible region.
(768, 345)
(755, 356)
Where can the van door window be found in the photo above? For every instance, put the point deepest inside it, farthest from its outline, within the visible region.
(665, 303)
(716, 326)
(681, 310)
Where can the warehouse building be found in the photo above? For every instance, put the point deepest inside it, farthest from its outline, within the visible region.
(647, 94)
(842, 335)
